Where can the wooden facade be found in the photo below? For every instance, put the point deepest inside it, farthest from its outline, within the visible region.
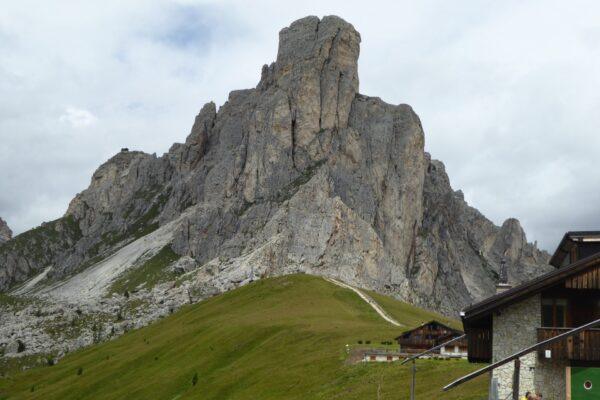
(569, 297)
(589, 279)
(428, 335)
(480, 345)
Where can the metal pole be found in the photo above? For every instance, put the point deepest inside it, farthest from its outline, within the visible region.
(516, 378)
(412, 383)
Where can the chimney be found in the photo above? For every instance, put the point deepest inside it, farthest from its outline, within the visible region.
(503, 285)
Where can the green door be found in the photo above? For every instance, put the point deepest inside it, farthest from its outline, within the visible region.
(585, 383)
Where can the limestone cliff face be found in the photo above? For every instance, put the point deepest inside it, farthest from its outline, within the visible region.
(301, 173)
(458, 250)
(5, 232)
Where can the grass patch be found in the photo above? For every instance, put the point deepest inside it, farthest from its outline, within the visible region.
(151, 272)
(280, 338)
(14, 302)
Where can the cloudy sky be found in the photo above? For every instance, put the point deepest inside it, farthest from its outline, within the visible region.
(508, 92)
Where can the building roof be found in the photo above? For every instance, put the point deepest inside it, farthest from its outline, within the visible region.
(567, 241)
(529, 288)
(429, 323)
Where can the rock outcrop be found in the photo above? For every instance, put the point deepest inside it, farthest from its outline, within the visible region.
(300, 174)
(5, 232)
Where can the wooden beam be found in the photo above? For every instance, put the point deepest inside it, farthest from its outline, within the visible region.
(516, 379)
(522, 353)
(568, 380)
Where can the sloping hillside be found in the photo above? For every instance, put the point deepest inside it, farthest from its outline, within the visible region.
(279, 338)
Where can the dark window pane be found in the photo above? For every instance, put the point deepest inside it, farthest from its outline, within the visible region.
(560, 315)
(547, 319)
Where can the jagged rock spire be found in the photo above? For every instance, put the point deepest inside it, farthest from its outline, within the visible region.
(317, 67)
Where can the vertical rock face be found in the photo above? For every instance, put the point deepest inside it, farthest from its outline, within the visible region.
(5, 232)
(301, 173)
(317, 71)
(458, 248)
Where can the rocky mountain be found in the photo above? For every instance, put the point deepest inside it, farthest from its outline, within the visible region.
(300, 174)
(5, 232)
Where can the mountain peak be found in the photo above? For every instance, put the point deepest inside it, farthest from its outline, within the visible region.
(317, 67)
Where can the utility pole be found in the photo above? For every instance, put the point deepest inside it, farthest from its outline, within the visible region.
(412, 383)
(415, 357)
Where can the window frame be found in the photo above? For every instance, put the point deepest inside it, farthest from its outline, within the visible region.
(555, 303)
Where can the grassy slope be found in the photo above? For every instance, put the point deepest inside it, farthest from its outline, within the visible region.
(151, 272)
(279, 338)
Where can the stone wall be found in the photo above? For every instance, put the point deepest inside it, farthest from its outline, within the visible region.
(514, 329)
(550, 378)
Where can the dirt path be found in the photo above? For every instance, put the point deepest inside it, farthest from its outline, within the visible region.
(369, 300)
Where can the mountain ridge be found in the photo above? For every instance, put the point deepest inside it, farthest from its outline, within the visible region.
(300, 174)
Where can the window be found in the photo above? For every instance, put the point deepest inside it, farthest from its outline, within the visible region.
(560, 313)
(554, 313)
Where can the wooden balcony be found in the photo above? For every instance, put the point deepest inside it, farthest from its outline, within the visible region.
(584, 346)
(416, 344)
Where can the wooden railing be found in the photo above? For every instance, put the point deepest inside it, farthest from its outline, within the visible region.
(583, 346)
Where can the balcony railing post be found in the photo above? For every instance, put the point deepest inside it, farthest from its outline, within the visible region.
(516, 379)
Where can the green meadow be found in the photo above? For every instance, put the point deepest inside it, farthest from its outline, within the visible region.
(278, 338)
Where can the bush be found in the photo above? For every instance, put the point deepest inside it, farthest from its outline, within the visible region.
(367, 342)
(79, 371)
(50, 360)
(195, 379)
(360, 342)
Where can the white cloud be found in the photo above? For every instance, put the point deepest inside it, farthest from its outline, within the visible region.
(506, 91)
(77, 117)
